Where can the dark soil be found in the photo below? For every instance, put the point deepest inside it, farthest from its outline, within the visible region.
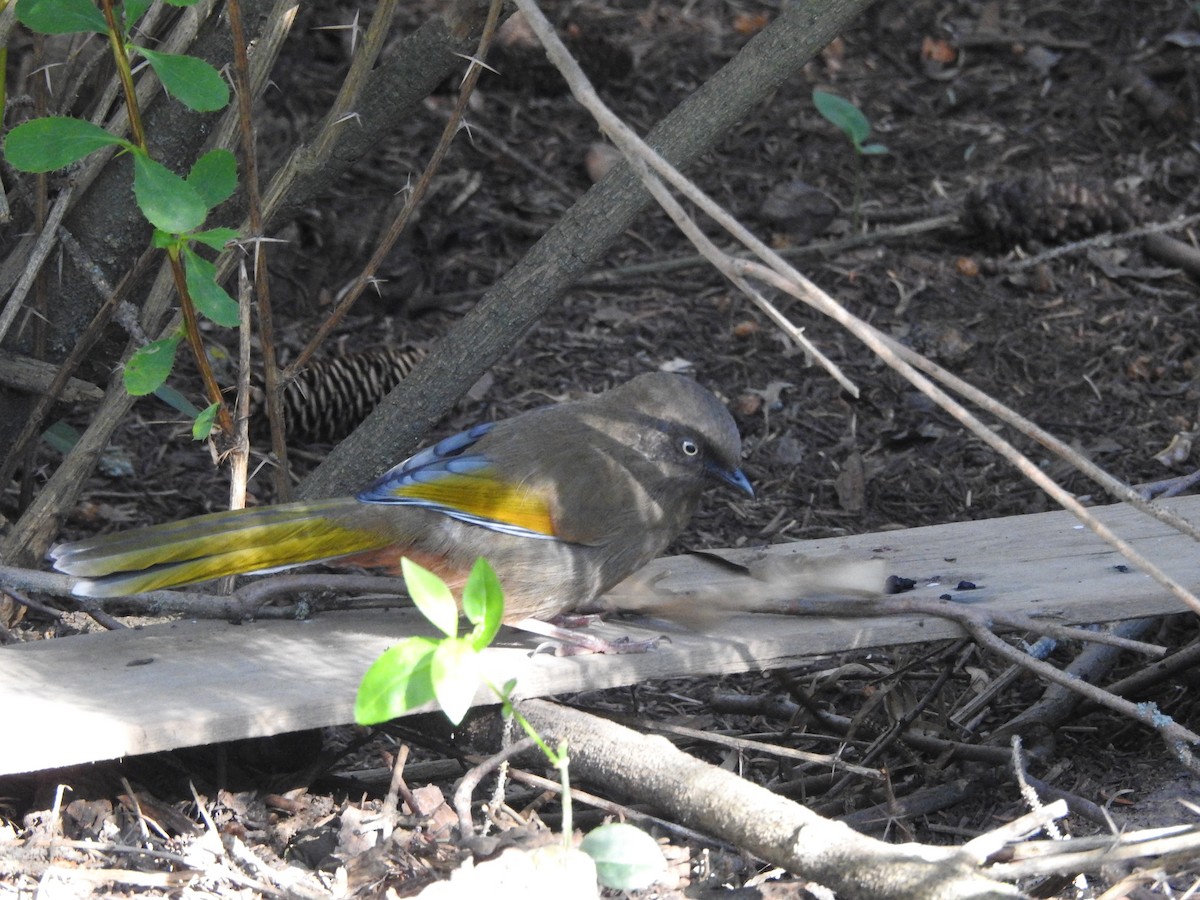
(1040, 126)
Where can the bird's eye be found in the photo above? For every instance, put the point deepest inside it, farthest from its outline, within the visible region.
(689, 448)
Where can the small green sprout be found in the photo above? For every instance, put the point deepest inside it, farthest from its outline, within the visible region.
(851, 121)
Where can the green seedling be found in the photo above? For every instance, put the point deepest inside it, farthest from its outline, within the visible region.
(851, 121)
(447, 671)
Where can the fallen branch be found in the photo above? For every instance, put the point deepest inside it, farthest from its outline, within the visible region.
(778, 830)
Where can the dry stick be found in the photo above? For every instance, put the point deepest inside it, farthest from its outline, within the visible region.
(1174, 253)
(397, 789)
(33, 376)
(239, 452)
(992, 842)
(273, 381)
(1183, 661)
(722, 260)
(246, 602)
(1062, 857)
(243, 94)
(415, 198)
(37, 258)
(608, 806)
(894, 731)
(978, 622)
(746, 744)
(884, 347)
(817, 248)
(1017, 621)
(1100, 240)
(470, 781)
(361, 65)
(784, 277)
(1057, 703)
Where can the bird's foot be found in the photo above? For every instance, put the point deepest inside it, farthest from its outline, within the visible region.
(567, 642)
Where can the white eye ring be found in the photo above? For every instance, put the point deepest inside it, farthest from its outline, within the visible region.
(689, 447)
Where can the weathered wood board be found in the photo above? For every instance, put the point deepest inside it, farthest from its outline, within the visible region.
(104, 696)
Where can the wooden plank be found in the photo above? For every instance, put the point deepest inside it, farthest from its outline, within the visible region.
(104, 696)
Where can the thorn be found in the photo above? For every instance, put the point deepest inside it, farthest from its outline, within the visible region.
(352, 28)
(474, 61)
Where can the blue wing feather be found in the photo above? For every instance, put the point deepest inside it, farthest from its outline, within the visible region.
(447, 458)
(440, 459)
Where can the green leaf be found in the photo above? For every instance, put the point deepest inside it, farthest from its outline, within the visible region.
(872, 149)
(844, 114)
(210, 298)
(431, 597)
(165, 199)
(61, 16)
(456, 678)
(216, 238)
(214, 176)
(61, 436)
(132, 10)
(176, 400)
(183, 2)
(203, 426)
(150, 365)
(190, 80)
(483, 603)
(627, 859)
(397, 682)
(42, 145)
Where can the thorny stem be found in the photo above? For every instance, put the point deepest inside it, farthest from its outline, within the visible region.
(367, 275)
(273, 387)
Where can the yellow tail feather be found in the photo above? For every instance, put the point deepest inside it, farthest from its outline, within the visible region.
(212, 546)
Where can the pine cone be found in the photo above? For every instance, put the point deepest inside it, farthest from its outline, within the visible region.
(329, 398)
(1038, 210)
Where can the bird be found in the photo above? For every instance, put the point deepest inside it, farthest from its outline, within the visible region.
(564, 501)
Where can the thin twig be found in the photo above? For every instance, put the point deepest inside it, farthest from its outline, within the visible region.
(470, 781)
(1107, 239)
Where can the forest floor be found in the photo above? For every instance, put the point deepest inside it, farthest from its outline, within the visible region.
(1031, 126)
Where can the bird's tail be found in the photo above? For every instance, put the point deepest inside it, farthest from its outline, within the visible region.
(206, 547)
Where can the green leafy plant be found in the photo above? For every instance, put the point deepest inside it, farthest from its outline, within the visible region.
(176, 206)
(446, 671)
(853, 123)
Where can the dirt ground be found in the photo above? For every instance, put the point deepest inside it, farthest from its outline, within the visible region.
(1033, 126)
